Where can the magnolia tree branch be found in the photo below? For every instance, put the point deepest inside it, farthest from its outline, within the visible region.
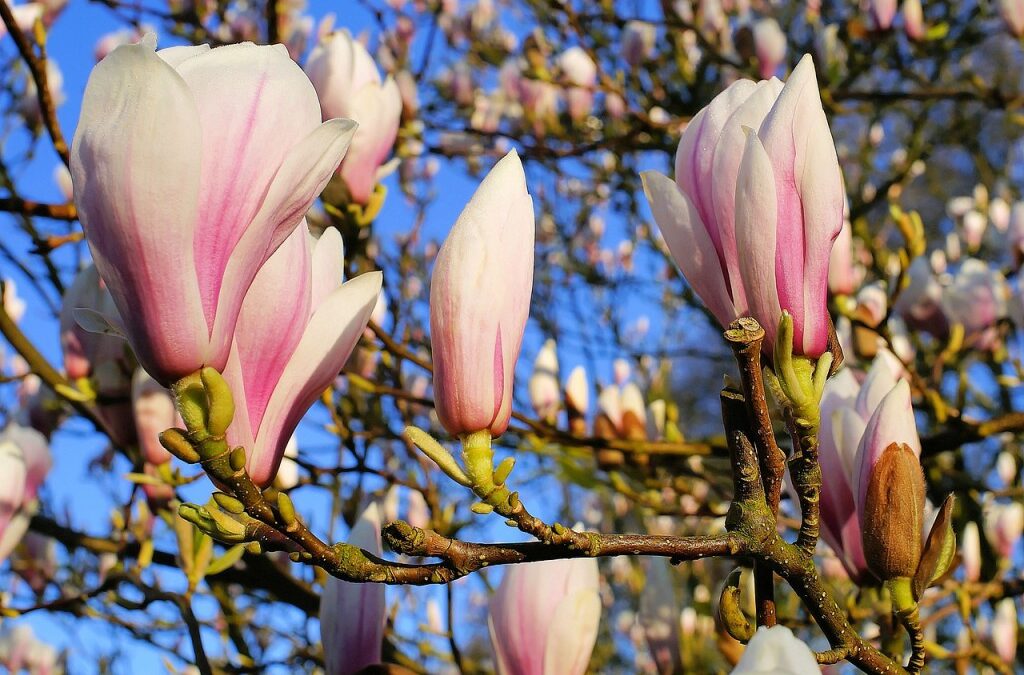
(37, 67)
(745, 337)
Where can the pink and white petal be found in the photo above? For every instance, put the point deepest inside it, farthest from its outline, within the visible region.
(241, 432)
(876, 385)
(756, 209)
(255, 106)
(689, 243)
(332, 333)
(695, 155)
(728, 153)
(328, 266)
(299, 181)
(12, 481)
(274, 315)
(796, 135)
(572, 633)
(892, 422)
(378, 111)
(135, 163)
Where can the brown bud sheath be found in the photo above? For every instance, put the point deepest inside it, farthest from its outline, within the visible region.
(894, 514)
(633, 428)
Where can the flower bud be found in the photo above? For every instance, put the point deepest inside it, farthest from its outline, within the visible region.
(479, 303)
(893, 513)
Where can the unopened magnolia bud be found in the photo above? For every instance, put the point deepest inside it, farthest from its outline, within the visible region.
(190, 399)
(237, 458)
(729, 610)
(894, 514)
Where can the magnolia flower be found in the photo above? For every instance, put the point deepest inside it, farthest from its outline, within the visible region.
(24, 462)
(920, 302)
(888, 487)
(154, 413)
(970, 552)
(180, 221)
(543, 385)
(480, 300)
(25, 17)
(844, 276)
(544, 617)
(976, 300)
(1005, 627)
(349, 85)
(770, 45)
(777, 194)
(882, 13)
(638, 38)
(634, 412)
(1004, 525)
(777, 651)
(659, 616)
(352, 615)
(1012, 12)
(297, 327)
(580, 73)
(913, 19)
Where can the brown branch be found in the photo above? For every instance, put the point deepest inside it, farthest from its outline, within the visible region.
(745, 336)
(32, 208)
(37, 67)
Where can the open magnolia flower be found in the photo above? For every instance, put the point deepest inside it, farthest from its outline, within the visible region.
(756, 171)
(191, 166)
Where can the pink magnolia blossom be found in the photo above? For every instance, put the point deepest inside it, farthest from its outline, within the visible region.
(25, 17)
(352, 615)
(348, 84)
(154, 413)
(1005, 626)
(1004, 524)
(180, 221)
(882, 13)
(891, 422)
(297, 327)
(638, 42)
(480, 300)
(544, 387)
(544, 617)
(91, 353)
(970, 552)
(770, 45)
(24, 462)
(773, 194)
(580, 74)
(913, 19)
(976, 299)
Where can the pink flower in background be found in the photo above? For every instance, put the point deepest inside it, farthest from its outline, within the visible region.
(480, 300)
(154, 413)
(348, 84)
(778, 203)
(1004, 525)
(544, 617)
(770, 44)
(180, 221)
(913, 19)
(352, 615)
(297, 327)
(920, 302)
(90, 353)
(882, 13)
(1005, 626)
(970, 552)
(24, 462)
(976, 299)
(638, 41)
(580, 74)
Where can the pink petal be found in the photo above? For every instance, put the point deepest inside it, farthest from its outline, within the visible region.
(255, 105)
(756, 233)
(332, 333)
(137, 193)
(690, 244)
